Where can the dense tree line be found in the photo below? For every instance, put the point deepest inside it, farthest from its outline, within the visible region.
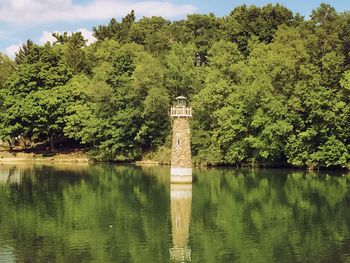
(267, 86)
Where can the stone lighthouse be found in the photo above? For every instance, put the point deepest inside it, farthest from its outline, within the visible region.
(181, 163)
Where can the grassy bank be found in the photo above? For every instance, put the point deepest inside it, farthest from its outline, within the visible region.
(34, 155)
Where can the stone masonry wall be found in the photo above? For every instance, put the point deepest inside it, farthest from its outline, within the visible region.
(181, 144)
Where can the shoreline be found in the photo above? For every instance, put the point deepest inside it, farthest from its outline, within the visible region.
(80, 156)
(68, 156)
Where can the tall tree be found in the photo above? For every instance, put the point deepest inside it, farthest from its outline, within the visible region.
(73, 48)
(23, 51)
(245, 22)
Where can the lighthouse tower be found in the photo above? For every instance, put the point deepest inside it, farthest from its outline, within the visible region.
(181, 163)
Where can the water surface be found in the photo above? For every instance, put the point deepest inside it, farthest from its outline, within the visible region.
(108, 213)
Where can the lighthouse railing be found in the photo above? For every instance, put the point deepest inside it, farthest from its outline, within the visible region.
(181, 112)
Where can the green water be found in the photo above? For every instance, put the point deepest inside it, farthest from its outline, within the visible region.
(106, 213)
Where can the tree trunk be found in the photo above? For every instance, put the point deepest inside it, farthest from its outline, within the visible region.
(24, 143)
(10, 144)
(52, 141)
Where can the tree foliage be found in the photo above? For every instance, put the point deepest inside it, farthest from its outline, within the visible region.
(267, 87)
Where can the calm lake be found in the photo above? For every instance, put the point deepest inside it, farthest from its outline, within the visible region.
(108, 213)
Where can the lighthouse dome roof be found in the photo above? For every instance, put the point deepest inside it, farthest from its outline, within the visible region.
(181, 98)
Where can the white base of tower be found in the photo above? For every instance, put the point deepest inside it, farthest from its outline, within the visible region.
(180, 175)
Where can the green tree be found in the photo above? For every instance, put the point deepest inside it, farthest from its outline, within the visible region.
(30, 107)
(202, 30)
(73, 51)
(245, 22)
(23, 51)
(124, 111)
(181, 75)
(266, 86)
(7, 68)
(116, 30)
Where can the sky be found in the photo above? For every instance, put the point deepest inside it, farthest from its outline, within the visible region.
(37, 19)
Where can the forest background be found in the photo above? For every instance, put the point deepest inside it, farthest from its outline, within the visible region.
(267, 87)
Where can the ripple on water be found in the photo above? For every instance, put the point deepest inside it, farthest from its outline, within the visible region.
(257, 217)
(7, 254)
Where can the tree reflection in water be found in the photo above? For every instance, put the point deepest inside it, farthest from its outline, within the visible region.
(109, 213)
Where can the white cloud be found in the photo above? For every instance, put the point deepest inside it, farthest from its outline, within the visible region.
(41, 11)
(11, 50)
(87, 35)
(47, 37)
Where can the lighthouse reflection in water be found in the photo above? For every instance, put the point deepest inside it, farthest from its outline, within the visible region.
(181, 201)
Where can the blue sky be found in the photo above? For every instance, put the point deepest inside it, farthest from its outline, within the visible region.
(37, 19)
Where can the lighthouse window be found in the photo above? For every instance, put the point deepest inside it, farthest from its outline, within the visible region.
(178, 142)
